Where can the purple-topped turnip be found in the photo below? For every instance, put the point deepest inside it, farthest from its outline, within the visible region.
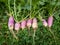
(11, 23)
(50, 21)
(44, 22)
(29, 23)
(11, 26)
(17, 26)
(34, 24)
(23, 24)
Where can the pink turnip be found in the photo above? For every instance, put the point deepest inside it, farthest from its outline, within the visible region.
(34, 24)
(11, 23)
(11, 26)
(50, 21)
(29, 23)
(23, 24)
(44, 22)
(17, 26)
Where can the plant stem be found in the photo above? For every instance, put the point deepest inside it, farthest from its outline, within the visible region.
(15, 11)
(30, 8)
(9, 5)
(14, 7)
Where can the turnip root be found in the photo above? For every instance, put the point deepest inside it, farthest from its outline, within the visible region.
(29, 23)
(11, 26)
(44, 22)
(50, 21)
(17, 26)
(23, 24)
(34, 24)
(11, 23)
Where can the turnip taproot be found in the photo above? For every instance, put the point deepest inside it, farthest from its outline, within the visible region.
(50, 21)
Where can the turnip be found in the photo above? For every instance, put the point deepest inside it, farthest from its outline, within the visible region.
(29, 23)
(23, 24)
(44, 22)
(11, 23)
(34, 24)
(50, 21)
(11, 26)
(17, 26)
